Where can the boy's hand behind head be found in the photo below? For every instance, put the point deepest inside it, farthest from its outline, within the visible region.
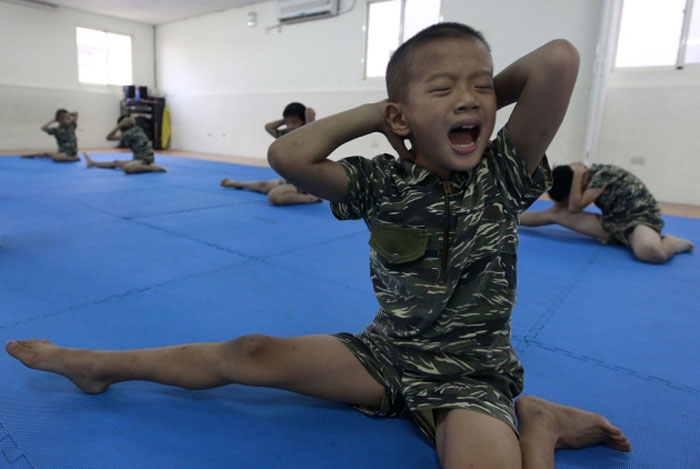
(126, 122)
(309, 115)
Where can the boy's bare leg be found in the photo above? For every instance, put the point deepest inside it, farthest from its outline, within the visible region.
(582, 222)
(466, 438)
(319, 366)
(104, 164)
(256, 186)
(37, 155)
(649, 246)
(135, 167)
(287, 194)
(63, 158)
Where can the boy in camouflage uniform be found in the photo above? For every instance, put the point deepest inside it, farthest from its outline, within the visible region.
(629, 213)
(65, 137)
(279, 191)
(137, 141)
(444, 232)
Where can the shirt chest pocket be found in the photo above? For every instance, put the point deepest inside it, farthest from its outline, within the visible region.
(399, 244)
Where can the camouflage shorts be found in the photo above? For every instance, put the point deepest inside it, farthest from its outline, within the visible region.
(69, 150)
(619, 230)
(144, 158)
(407, 395)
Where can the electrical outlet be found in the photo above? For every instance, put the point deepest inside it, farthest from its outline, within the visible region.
(638, 160)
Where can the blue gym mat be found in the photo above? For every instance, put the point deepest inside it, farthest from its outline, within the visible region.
(96, 259)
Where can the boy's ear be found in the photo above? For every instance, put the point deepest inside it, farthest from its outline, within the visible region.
(396, 119)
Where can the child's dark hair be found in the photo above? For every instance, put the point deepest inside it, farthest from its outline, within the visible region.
(398, 69)
(60, 113)
(562, 176)
(295, 110)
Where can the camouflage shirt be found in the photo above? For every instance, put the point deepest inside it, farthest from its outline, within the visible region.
(624, 203)
(443, 258)
(135, 138)
(65, 138)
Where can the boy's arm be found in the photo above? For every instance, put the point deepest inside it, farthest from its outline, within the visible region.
(578, 197)
(301, 156)
(272, 127)
(45, 127)
(112, 135)
(541, 83)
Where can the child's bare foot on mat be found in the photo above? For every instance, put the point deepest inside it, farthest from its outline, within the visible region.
(89, 161)
(226, 182)
(569, 427)
(76, 365)
(679, 244)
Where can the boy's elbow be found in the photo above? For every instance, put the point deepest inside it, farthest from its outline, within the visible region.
(564, 56)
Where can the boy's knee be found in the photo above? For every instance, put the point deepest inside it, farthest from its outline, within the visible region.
(650, 253)
(252, 346)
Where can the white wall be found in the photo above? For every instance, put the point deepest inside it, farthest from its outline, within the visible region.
(41, 74)
(651, 127)
(224, 80)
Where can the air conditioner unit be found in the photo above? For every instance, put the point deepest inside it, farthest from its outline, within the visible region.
(300, 10)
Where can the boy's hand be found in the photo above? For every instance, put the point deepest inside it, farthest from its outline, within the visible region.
(309, 115)
(127, 121)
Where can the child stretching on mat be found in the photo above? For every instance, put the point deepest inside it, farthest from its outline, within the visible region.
(444, 221)
(629, 213)
(65, 137)
(279, 191)
(137, 140)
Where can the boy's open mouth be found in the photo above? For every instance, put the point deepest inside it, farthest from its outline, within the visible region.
(464, 136)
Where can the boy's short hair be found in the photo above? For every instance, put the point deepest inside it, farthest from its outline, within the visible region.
(562, 176)
(60, 113)
(398, 70)
(295, 110)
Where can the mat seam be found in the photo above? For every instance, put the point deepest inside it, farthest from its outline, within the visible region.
(554, 306)
(15, 453)
(602, 364)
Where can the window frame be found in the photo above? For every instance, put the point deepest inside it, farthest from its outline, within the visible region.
(365, 28)
(680, 51)
(77, 57)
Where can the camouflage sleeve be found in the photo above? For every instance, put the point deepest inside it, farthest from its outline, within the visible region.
(364, 180)
(509, 170)
(51, 130)
(128, 137)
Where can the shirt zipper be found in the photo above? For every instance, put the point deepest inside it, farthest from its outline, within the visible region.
(446, 234)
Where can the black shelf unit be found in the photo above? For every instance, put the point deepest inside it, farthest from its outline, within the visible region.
(148, 114)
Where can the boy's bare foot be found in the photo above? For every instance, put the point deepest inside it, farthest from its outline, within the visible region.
(569, 427)
(679, 244)
(89, 161)
(226, 182)
(76, 365)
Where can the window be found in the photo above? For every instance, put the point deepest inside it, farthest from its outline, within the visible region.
(658, 33)
(389, 24)
(103, 58)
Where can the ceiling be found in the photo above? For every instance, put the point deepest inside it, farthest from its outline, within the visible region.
(145, 11)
